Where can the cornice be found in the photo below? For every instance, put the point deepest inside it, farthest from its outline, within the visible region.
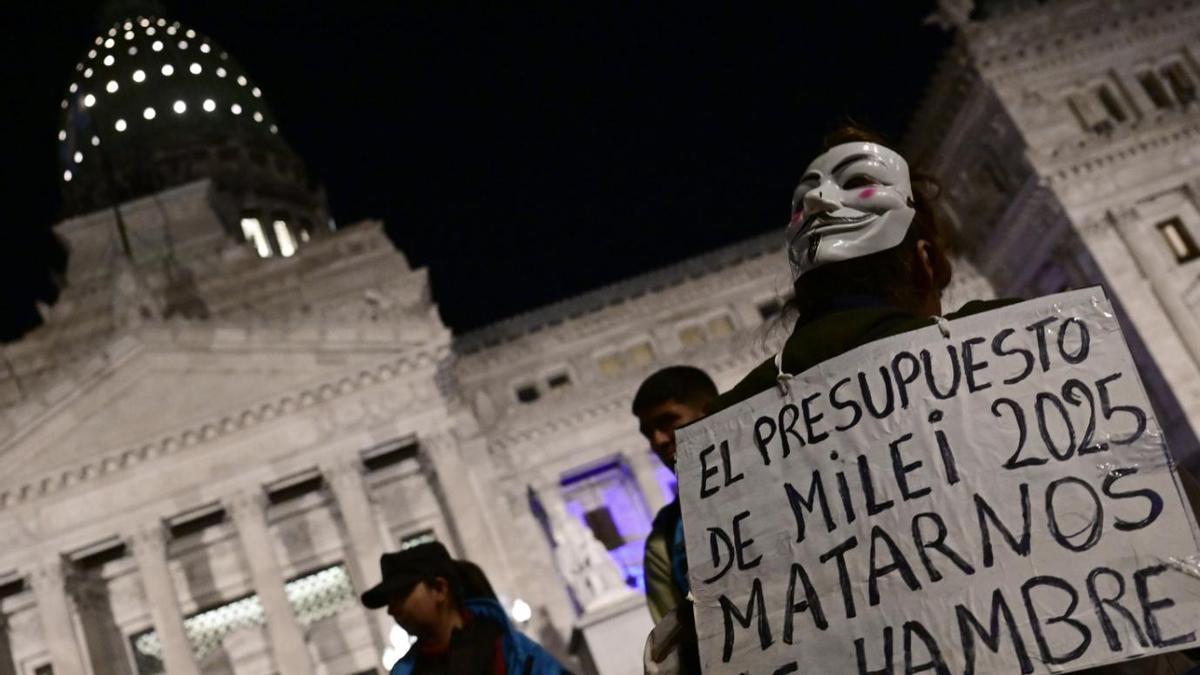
(651, 304)
(1102, 153)
(574, 311)
(1015, 56)
(107, 464)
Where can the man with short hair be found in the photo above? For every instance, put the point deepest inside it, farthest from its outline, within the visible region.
(423, 591)
(667, 400)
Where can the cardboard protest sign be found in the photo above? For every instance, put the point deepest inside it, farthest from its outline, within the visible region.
(998, 500)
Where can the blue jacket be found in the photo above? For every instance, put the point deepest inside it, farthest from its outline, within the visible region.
(522, 656)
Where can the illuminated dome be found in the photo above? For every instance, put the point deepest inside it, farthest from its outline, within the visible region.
(154, 104)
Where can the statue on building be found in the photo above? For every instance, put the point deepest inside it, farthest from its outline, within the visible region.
(590, 572)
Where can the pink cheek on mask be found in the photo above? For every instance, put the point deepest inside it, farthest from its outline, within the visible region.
(797, 217)
(867, 193)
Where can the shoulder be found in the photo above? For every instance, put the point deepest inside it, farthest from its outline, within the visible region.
(758, 380)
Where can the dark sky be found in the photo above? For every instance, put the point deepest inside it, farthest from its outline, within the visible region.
(523, 155)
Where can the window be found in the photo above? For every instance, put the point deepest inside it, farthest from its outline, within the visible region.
(611, 364)
(287, 245)
(1155, 89)
(528, 393)
(294, 488)
(559, 380)
(253, 232)
(389, 455)
(196, 522)
(1179, 239)
(721, 326)
(692, 336)
(1111, 105)
(1180, 82)
(636, 356)
(639, 355)
(600, 521)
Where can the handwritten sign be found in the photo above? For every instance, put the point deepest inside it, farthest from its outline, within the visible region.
(996, 501)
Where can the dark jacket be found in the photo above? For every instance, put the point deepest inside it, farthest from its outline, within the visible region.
(833, 334)
(521, 655)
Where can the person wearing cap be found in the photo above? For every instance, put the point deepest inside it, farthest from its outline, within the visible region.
(457, 633)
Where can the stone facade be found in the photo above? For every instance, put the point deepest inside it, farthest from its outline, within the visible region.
(1064, 136)
(208, 490)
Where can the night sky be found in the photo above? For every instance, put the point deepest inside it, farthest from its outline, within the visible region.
(523, 156)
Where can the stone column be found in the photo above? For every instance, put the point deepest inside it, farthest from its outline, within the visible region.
(150, 551)
(346, 482)
(7, 665)
(103, 645)
(643, 471)
(58, 626)
(287, 640)
(467, 512)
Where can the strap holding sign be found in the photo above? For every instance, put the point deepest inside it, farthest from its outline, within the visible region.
(1000, 500)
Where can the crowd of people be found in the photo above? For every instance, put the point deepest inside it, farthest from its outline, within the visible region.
(868, 261)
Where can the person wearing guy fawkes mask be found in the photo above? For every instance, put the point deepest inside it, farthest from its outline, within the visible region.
(867, 262)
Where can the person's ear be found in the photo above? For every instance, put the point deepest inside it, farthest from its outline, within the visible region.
(934, 265)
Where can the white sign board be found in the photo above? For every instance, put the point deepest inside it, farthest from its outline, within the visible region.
(996, 501)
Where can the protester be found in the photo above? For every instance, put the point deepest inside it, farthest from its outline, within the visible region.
(667, 400)
(457, 633)
(868, 261)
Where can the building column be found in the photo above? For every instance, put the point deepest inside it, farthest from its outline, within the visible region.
(469, 515)
(150, 551)
(350, 493)
(287, 640)
(58, 626)
(7, 665)
(103, 646)
(643, 471)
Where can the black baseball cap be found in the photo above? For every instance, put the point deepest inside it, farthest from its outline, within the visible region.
(402, 570)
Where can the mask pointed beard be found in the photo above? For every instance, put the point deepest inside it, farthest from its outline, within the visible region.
(853, 201)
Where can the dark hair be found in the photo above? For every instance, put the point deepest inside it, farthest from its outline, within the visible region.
(475, 583)
(454, 584)
(683, 384)
(895, 276)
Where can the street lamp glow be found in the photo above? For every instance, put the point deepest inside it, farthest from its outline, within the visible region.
(521, 611)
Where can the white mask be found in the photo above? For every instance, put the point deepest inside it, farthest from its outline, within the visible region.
(854, 200)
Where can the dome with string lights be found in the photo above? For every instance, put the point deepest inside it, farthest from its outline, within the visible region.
(154, 104)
